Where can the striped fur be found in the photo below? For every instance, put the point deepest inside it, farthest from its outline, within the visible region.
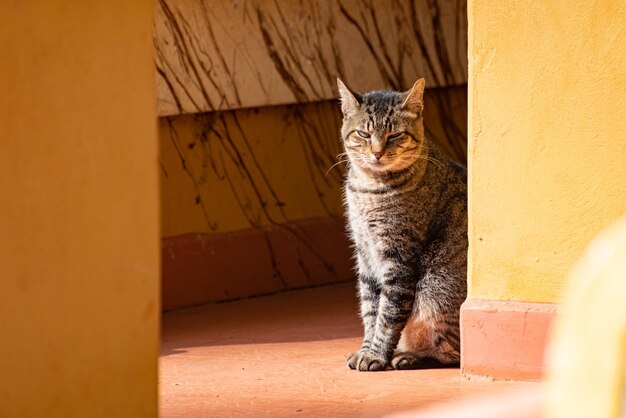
(407, 217)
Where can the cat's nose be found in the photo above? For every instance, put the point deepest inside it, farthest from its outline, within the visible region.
(378, 155)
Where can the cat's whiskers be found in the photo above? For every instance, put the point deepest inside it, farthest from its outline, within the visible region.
(407, 158)
(435, 161)
(336, 164)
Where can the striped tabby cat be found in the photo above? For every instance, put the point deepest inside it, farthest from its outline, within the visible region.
(407, 213)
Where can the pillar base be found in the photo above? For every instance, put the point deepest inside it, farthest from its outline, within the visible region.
(504, 339)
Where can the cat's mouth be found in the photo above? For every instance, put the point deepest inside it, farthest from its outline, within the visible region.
(384, 165)
(378, 165)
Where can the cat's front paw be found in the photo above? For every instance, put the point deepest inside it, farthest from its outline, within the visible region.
(366, 362)
(353, 360)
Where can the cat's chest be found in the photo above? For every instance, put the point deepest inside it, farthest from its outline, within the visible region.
(373, 226)
(380, 220)
(375, 219)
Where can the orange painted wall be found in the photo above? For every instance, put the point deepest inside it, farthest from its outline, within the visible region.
(216, 168)
(79, 215)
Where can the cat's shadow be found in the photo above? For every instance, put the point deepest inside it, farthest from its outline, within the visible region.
(326, 313)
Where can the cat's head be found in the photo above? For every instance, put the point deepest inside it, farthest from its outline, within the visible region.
(383, 130)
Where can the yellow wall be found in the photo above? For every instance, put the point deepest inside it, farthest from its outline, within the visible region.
(547, 139)
(79, 214)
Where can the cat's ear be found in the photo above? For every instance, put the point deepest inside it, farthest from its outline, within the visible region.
(350, 101)
(414, 98)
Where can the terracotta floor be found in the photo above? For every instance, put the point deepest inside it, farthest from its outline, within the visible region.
(283, 355)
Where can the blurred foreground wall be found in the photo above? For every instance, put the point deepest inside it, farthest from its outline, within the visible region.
(79, 225)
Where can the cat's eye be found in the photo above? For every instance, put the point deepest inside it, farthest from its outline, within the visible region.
(394, 135)
(362, 134)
